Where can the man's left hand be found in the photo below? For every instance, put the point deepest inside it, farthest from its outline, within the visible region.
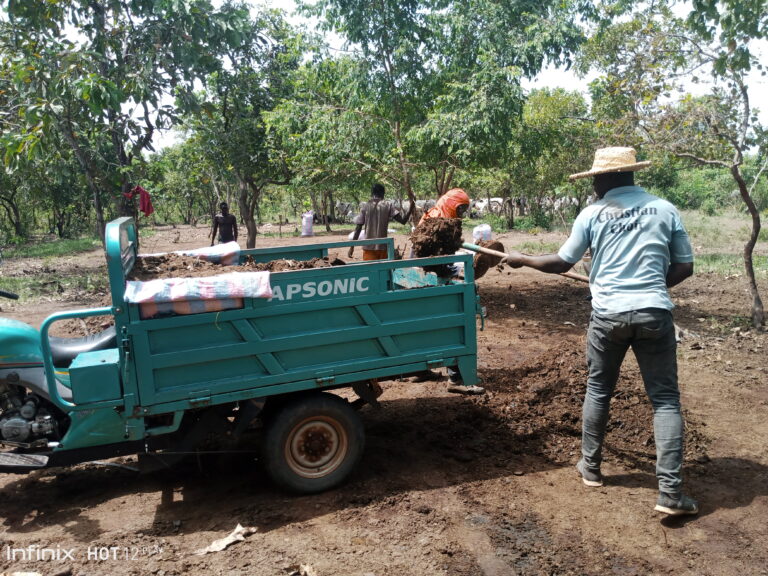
(514, 259)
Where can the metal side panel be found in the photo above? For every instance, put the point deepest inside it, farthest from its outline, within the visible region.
(322, 323)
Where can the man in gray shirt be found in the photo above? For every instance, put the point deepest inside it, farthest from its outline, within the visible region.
(375, 216)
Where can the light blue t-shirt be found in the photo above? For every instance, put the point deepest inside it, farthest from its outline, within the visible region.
(633, 237)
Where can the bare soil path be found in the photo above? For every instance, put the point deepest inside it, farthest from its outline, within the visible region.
(448, 484)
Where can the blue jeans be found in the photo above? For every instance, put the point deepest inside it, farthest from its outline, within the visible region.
(651, 334)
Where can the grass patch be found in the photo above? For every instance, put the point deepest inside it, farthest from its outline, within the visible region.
(147, 232)
(729, 230)
(729, 264)
(33, 286)
(540, 247)
(53, 249)
(16, 284)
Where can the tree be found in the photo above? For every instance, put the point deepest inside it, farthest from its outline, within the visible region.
(187, 181)
(328, 133)
(95, 76)
(444, 78)
(10, 202)
(643, 60)
(231, 120)
(554, 135)
(731, 27)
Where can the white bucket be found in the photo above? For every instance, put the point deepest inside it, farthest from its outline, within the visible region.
(482, 232)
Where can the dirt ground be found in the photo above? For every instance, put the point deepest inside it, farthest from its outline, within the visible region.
(448, 484)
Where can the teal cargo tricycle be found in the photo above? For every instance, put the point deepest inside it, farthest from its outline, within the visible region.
(167, 377)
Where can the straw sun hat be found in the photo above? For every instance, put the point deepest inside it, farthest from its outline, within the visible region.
(614, 159)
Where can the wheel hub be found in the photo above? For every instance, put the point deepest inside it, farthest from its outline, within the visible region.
(316, 447)
(316, 443)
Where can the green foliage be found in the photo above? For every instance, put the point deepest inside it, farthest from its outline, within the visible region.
(708, 189)
(497, 222)
(328, 134)
(99, 96)
(553, 139)
(537, 221)
(183, 179)
(700, 188)
(709, 207)
(732, 22)
(230, 129)
(663, 174)
(440, 81)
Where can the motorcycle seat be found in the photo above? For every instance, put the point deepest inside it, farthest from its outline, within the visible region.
(64, 350)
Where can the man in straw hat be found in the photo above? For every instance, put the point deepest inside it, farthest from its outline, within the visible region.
(639, 249)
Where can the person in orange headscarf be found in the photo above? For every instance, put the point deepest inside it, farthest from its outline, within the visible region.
(452, 204)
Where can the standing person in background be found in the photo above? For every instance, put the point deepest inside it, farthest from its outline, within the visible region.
(374, 217)
(452, 204)
(639, 249)
(225, 224)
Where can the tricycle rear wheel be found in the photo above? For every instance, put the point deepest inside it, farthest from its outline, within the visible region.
(312, 443)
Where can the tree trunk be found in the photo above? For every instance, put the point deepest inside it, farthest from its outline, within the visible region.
(91, 174)
(248, 202)
(14, 214)
(404, 168)
(758, 312)
(331, 211)
(443, 178)
(326, 210)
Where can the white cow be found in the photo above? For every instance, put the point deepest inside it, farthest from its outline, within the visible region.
(489, 205)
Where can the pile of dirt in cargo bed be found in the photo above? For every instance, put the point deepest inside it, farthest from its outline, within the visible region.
(285, 265)
(183, 266)
(180, 266)
(171, 266)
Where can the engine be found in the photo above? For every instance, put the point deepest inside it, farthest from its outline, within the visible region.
(24, 419)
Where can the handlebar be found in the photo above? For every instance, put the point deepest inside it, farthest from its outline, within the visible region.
(10, 295)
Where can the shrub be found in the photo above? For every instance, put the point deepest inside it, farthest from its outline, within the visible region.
(709, 207)
(697, 186)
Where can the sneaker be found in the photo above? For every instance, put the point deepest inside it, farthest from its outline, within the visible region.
(460, 388)
(676, 506)
(591, 478)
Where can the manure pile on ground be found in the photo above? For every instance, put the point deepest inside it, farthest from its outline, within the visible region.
(540, 402)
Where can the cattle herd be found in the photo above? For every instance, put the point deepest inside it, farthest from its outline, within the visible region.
(517, 206)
